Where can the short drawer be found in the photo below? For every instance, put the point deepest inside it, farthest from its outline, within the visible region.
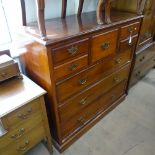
(70, 67)
(13, 135)
(26, 143)
(124, 44)
(87, 114)
(23, 114)
(85, 98)
(104, 45)
(128, 30)
(70, 51)
(9, 71)
(77, 83)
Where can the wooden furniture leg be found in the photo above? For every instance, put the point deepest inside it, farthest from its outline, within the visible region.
(81, 2)
(40, 18)
(107, 12)
(99, 12)
(23, 9)
(140, 6)
(64, 7)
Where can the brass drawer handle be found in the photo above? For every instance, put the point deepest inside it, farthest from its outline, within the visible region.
(73, 50)
(81, 120)
(117, 79)
(118, 60)
(24, 147)
(138, 73)
(83, 101)
(25, 116)
(105, 45)
(16, 136)
(73, 67)
(83, 81)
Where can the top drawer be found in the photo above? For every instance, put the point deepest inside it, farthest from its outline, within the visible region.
(104, 45)
(70, 51)
(129, 30)
(23, 114)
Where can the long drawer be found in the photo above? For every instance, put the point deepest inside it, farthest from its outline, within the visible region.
(20, 131)
(85, 98)
(142, 70)
(86, 115)
(24, 144)
(80, 81)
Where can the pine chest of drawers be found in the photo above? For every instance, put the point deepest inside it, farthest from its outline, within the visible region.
(85, 69)
(23, 119)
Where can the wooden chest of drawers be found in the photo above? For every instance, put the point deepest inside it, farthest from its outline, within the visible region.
(23, 120)
(85, 70)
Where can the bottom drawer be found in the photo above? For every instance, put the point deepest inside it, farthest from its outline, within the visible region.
(27, 142)
(85, 116)
(139, 72)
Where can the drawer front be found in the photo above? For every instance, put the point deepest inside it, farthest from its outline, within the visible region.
(124, 44)
(77, 83)
(111, 96)
(70, 51)
(86, 115)
(128, 30)
(20, 131)
(26, 143)
(104, 45)
(70, 67)
(82, 101)
(142, 70)
(9, 71)
(23, 114)
(144, 56)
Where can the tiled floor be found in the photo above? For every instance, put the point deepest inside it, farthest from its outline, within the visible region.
(127, 130)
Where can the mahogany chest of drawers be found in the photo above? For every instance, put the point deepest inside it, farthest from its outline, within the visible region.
(23, 119)
(84, 67)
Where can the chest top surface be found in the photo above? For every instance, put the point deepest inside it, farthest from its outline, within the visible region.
(60, 29)
(15, 93)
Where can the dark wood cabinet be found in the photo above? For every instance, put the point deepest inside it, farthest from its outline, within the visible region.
(84, 67)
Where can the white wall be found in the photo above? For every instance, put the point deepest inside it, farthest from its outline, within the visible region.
(53, 8)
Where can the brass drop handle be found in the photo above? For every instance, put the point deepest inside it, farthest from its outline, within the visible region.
(16, 136)
(83, 81)
(81, 119)
(116, 79)
(25, 116)
(83, 101)
(118, 60)
(24, 147)
(73, 50)
(138, 73)
(105, 45)
(73, 67)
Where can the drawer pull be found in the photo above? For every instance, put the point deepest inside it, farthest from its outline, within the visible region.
(25, 116)
(83, 101)
(73, 67)
(117, 79)
(73, 50)
(83, 81)
(118, 61)
(138, 73)
(24, 147)
(81, 120)
(16, 136)
(105, 45)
